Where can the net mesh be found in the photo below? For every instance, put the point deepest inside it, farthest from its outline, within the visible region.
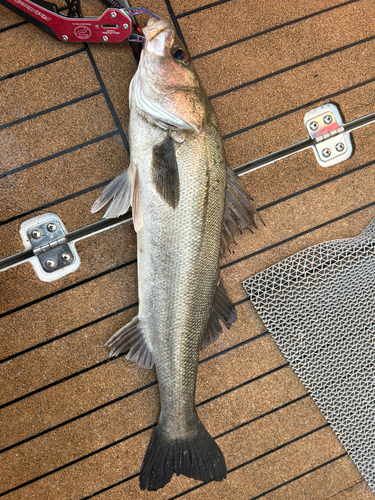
(319, 306)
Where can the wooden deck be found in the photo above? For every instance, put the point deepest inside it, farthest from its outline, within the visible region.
(74, 424)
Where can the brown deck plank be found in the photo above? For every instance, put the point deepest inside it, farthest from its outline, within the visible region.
(8, 18)
(286, 47)
(255, 106)
(221, 373)
(100, 297)
(55, 410)
(229, 22)
(77, 401)
(250, 480)
(17, 45)
(321, 484)
(67, 175)
(41, 89)
(122, 461)
(359, 491)
(262, 14)
(49, 134)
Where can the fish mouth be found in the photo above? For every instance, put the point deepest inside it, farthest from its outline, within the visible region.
(154, 27)
(157, 33)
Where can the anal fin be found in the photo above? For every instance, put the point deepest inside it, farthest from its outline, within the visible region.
(131, 335)
(222, 309)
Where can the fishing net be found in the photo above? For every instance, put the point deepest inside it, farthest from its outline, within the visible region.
(319, 306)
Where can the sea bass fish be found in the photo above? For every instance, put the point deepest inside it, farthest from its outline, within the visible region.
(186, 207)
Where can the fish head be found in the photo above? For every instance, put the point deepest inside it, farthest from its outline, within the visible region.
(166, 87)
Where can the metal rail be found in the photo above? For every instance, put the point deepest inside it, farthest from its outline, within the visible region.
(104, 224)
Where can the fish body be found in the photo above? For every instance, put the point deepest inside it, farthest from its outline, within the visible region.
(177, 186)
(178, 251)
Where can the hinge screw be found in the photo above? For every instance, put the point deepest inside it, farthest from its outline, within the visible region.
(64, 38)
(35, 234)
(50, 264)
(340, 147)
(66, 257)
(113, 15)
(314, 125)
(51, 227)
(125, 26)
(326, 152)
(105, 38)
(327, 119)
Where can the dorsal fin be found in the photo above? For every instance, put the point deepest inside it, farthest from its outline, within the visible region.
(239, 213)
(223, 309)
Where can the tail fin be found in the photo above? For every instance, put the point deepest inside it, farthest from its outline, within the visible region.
(198, 457)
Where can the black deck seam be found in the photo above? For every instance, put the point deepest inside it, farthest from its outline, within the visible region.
(91, 323)
(110, 445)
(54, 384)
(50, 110)
(314, 469)
(175, 22)
(12, 26)
(224, 266)
(42, 64)
(55, 202)
(68, 288)
(292, 67)
(59, 153)
(316, 186)
(112, 401)
(249, 422)
(298, 108)
(199, 9)
(274, 28)
(107, 98)
(298, 235)
(263, 415)
(259, 457)
(104, 183)
(66, 334)
(243, 384)
(225, 137)
(82, 415)
(234, 347)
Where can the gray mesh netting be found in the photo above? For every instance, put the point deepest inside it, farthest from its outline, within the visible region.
(319, 306)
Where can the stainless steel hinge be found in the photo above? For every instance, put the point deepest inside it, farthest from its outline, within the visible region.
(332, 144)
(53, 257)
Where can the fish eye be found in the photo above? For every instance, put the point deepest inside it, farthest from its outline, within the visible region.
(180, 55)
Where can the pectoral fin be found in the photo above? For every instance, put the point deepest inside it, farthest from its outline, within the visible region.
(120, 192)
(131, 335)
(239, 211)
(165, 172)
(222, 309)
